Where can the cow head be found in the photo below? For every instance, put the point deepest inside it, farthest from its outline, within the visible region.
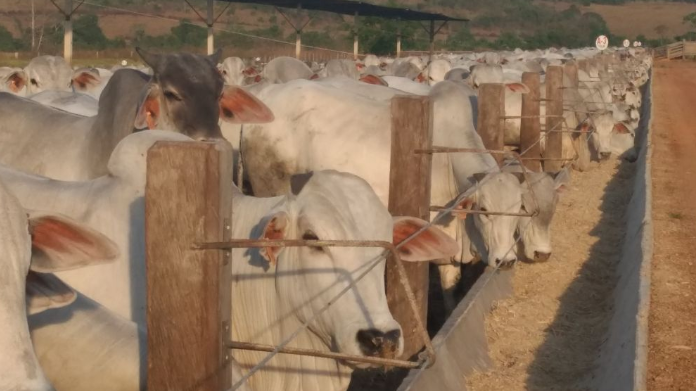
(328, 205)
(493, 236)
(607, 133)
(187, 95)
(48, 73)
(33, 245)
(535, 231)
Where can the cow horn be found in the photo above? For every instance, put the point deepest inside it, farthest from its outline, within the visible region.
(151, 59)
(215, 57)
(298, 182)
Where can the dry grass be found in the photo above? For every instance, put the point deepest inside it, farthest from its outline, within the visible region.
(547, 336)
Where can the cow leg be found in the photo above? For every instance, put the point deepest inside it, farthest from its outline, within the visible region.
(449, 278)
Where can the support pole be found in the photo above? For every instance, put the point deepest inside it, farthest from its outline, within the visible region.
(188, 290)
(409, 195)
(398, 38)
(432, 39)
(554, 119)
(210, 22)
(68, 32)
(355, 37)
(530, 128)
(491, 110)
(298, 34)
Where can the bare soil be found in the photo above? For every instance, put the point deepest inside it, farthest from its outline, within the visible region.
(672, 320)
(547, 336)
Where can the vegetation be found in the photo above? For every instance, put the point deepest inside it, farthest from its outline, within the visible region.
(507, 24)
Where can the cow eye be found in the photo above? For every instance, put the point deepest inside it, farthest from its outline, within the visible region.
(34, 82)
(171, 96)
(309, 235)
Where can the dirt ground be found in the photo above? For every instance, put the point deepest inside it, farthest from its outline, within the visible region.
(547, 335)
(672, 321)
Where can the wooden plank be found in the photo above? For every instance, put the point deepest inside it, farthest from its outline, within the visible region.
(188, 200)
(554, 120)
(409, 195)
(491, 110)
(530, 127)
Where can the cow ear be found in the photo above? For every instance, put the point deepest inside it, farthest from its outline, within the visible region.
(464, 205)
(149, 110)
(517, 87)
(561, 180)
(46, 291)
(373, 79)
(430, 244)
(240, 107)
(60, 243)
(16, 81)
(275, 227)
(84, 79)
(621, 128)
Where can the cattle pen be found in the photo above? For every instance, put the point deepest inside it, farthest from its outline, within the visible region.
(188, 243)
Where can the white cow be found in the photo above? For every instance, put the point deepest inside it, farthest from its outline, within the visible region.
(186, 95)
(34, 245)
(285, 69)
(276, 290)
(232, 70)
(113, 204)
(71, 102)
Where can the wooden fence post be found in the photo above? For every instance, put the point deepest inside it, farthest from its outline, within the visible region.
(491, 110)
(409, 195)
(188, 200)
(530, 128)
(554, 118)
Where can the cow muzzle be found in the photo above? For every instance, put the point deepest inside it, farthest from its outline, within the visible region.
(376, 343)
(541, 257)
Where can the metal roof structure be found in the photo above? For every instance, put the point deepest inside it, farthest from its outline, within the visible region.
(348, 7)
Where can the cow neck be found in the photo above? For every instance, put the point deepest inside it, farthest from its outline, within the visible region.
(118, 105)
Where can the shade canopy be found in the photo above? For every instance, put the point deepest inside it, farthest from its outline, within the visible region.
(347, 7)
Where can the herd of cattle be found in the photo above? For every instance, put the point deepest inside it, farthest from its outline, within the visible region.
(73, 146)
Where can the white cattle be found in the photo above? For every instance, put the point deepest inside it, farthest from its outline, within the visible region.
(76, 103)
(232, 70)
(48, 73)
(34, 245)
(436, 71)
(186, 95)
(407, 85)
(535, 232)
(341, 67)
(284, 69)
(113, 204)
(276, 289)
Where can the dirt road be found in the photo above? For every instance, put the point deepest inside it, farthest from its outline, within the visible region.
(672, 322)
